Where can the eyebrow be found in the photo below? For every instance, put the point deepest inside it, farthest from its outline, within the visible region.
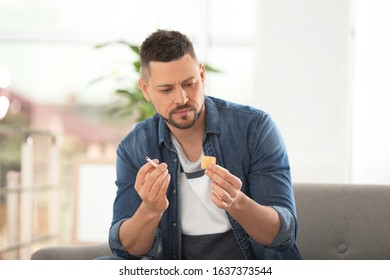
(183, 82)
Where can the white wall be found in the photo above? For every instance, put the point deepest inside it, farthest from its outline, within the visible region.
(371, 114)
(303, 74)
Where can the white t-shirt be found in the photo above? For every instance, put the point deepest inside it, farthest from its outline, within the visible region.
(206, 230)
(199, 215)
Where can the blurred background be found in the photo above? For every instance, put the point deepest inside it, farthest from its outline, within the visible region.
(321, 68)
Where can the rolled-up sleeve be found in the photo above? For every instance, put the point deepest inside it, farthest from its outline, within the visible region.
(286, 235)
(118, 250)
(115, 243)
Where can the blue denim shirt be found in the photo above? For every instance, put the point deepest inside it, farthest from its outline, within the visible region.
(246, 142)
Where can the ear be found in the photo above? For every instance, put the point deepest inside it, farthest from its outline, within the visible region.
(202, 71)
(143, 85)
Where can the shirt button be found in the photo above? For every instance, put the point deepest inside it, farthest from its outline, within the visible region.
(174, 224)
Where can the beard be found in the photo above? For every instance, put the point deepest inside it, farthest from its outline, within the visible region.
(185, 122)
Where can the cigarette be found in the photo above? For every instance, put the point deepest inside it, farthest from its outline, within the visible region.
(151, 161)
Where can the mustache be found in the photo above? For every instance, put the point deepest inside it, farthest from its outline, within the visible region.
(182, 107)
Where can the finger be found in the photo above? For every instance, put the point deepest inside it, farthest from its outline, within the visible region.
(164, 186)
(155, 170)
(156, 198)
(158, 183)
(144, 171)
(147, 174)
(217, 201)
(222, 194)
(224, 179)
(218, 173)
(219, 185)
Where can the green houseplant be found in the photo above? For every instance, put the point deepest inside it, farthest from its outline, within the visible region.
(130, 101)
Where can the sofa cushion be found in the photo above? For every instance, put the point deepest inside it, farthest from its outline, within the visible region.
(339, 221)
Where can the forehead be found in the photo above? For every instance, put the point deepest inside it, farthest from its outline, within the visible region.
(173, 71)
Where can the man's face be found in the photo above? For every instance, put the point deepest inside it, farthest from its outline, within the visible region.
(176, 90)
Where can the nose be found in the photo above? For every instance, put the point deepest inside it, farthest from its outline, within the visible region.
(181, 96)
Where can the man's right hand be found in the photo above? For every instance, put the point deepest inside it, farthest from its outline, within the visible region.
(137, 233)
(151, 185)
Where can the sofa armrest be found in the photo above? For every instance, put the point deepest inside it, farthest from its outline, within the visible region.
(74, 252)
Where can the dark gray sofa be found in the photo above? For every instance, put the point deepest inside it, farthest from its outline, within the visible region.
(336, 221)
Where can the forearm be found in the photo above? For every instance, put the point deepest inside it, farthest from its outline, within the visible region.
(137, 233)
(261, 222)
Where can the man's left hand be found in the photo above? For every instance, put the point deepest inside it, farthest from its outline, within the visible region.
(226, 187)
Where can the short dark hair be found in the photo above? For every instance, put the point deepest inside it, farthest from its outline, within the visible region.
(164, 46)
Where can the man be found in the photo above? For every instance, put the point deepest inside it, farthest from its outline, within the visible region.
(242, 207)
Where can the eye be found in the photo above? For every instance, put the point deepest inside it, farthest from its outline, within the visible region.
(165, 90)
(190, 84)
